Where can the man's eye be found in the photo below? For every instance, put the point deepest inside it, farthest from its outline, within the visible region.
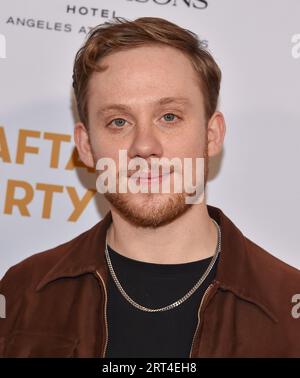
(169, 117)
(118, 122)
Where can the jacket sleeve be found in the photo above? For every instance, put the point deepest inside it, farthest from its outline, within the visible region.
(10, 302)
(2, 314)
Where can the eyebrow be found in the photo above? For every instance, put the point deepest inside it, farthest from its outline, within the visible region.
(161, 101)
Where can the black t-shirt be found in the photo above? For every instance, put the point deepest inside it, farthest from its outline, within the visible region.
(135, 333)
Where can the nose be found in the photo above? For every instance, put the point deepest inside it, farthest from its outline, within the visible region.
(145, 144)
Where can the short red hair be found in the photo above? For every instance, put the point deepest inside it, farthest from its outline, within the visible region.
(121, 34)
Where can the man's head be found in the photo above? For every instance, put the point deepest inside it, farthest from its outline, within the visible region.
(148, 87)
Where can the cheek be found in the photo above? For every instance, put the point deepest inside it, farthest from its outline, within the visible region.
(189, 146)
(199, 140)
(107, 151)
(100, 147)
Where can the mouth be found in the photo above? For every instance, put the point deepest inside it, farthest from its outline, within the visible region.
(148, 174)
(148, 178)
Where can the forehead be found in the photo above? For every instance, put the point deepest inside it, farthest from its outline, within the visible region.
(150, 70)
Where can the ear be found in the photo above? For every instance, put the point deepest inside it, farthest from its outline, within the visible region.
(216, 129)
(82, 141)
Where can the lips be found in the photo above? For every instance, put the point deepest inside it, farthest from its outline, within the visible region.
(150, 176)
(147, 180)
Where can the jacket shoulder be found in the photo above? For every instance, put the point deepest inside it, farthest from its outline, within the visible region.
(28, 272)
(274, 269)
(273, 281)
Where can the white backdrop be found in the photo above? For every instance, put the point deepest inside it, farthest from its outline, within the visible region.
(257, 45)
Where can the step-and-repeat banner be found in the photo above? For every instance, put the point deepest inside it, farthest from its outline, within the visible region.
(47, 197)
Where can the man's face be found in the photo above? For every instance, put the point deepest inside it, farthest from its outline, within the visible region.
(139, 79)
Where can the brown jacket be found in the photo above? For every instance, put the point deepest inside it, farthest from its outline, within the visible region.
(56, 301)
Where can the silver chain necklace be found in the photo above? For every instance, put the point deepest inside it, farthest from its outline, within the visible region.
(179, 301)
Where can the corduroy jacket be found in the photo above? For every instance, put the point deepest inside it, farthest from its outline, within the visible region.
(56, 301)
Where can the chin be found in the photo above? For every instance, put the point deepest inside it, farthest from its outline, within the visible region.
(148, 209)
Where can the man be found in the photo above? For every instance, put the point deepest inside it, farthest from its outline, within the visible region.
(159, 276)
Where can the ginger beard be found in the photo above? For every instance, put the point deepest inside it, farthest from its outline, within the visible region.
(153, 210)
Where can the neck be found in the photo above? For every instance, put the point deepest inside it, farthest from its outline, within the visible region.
(191, 237)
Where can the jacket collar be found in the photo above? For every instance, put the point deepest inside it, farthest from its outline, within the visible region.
(241, 265)
(236, 271)
(84, 254)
